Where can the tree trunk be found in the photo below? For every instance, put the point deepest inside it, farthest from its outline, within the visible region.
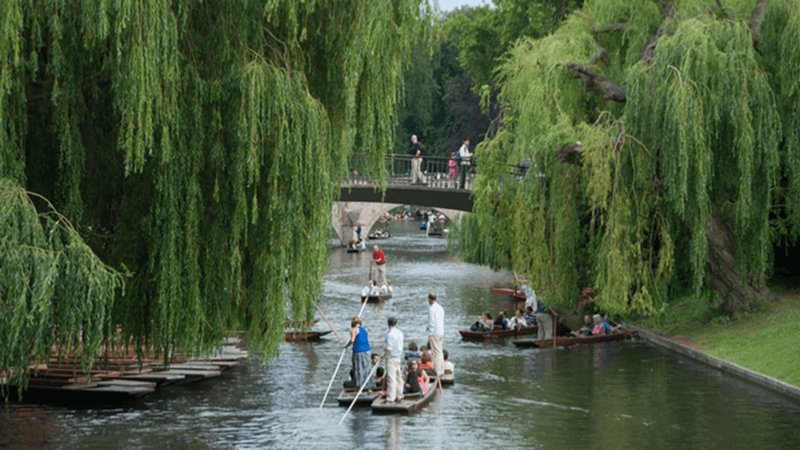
(598, 83)
(735, 294)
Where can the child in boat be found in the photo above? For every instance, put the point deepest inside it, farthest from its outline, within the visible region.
(412, 353)
(380, 372)
(518, 321)
(422, 379)
(598, 328)
(412, 379)
(426, 362)
(484, 323)
(448, 366)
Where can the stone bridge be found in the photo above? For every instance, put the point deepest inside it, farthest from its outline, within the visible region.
(363, 202)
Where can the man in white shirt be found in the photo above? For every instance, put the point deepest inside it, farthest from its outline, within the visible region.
(466, 161)
(436, 333)
(394, 352)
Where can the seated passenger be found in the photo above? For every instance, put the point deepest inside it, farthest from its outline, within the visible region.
(530, 316)
(610, 326)
(365, 292)
(412, 353)
(448, 366)
(562, 329)
(374, 290)
(586, 328)
(380, 372)
(517, 322)
(502, 321)
(389, 287)
(426, 362)
(422, 379)
(598, 328)
(412, 379)
(484, 323)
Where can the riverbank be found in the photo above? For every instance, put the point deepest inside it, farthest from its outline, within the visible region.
(765, 339)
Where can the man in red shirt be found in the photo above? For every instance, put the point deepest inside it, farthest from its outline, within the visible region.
(380, 262)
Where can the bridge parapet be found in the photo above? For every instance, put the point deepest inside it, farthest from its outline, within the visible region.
(435, 173)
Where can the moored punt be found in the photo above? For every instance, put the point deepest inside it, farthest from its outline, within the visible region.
(566, 341)
(509, 292)
(469, 335)
(378, 298)
(301, 336)
(367, 396)
(408, 405)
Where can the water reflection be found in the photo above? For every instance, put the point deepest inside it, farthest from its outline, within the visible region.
(614, 395)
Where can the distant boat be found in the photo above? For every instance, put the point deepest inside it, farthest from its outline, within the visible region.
(378, 298)
(380, 235)
(356, 248)
(304, 336)
(509, 292)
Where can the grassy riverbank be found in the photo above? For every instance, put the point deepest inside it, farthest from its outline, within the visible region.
(766, 339)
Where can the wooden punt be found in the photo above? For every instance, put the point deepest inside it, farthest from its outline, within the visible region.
(566, 341)
(366, 398)
(374, 237)
(509, 292)
(408, 405)
(356, 249)
(378, 298)
(469, 335)
(305, 336)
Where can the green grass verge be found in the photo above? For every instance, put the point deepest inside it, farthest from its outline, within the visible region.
(765, 339)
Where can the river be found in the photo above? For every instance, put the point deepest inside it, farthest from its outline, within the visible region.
(616, 395)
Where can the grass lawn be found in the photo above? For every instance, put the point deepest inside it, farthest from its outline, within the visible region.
(766, 339)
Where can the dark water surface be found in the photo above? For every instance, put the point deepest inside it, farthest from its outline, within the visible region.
(616, 395)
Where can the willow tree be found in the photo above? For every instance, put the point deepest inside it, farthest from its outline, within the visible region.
(193, 146)
(664, 140)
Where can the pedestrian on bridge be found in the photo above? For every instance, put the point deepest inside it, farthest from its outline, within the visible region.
(466, 161)
(416, 161)
(379, 259)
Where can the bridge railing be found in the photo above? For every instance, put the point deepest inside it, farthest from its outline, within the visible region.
(435, 171)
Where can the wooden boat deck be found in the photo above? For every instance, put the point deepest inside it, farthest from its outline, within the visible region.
(408, 405)
(366, 398)
(567, 341)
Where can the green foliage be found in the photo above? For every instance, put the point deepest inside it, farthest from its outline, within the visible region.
(54, 290)
(197, 144)
(703, 133)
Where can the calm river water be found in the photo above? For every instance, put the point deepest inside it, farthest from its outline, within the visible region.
(616, 395)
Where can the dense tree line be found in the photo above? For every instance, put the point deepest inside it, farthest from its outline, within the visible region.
(664, 136)
(169, 164)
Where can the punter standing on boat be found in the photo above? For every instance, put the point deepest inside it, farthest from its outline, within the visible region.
(362, 360)
(380, 262)
(544, 320)
(436, 333)
(394, 352)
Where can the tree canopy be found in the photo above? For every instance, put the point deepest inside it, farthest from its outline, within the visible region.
(186, 150)
(664, 141)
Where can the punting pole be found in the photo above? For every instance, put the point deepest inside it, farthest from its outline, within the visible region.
(369, 377)
(333, 377)
(325, 318)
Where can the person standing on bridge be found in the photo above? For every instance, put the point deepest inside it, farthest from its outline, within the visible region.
(416, 161)
(379, 259)
(466, 161)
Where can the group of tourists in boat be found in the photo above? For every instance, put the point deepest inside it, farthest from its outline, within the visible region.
(383, 376)
(544, 322)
